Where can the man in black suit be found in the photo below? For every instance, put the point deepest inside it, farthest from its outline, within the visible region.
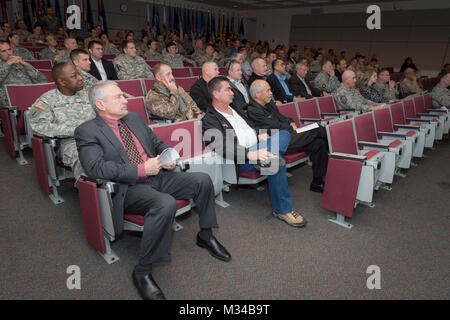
(299, 86)
(199, 90)
(100, 68)
(119, 146)
(239, 86)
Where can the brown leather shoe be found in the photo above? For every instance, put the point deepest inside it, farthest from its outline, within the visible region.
(292, 218)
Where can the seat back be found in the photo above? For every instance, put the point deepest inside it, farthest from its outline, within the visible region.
(308, 109)
(290, 110)
(133, 87)
(181, 72)
(148, 84)
(365, 128)
(185, 137)
(428, 101)
(408, 108)
(109, 57)
(138, 105)
(383, 120)
(152, 63)
(397, 113)
(341, 137)
(419, 104)
(41, 64)
(36, 51)
(47, 74)
(222, 71)
(326, 104)
(196, 71)
(186, 83)
(23, 96)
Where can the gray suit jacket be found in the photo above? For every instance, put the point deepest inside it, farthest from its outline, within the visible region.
(103, 156)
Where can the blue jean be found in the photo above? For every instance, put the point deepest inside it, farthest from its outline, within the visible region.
(280, 196)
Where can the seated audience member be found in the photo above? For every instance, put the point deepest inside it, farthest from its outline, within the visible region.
(264, 114)
(368, 90)
(100, 68)
(211, 55)
(298, 85)
(51, 51)
(326, 80)
(440, 94)
(241, 143)
(246, 66)
(279, 85)
(271, 56)
(341, 66)
(21, 29)
(167, 100)
(64, 55)
(58, 112)
(37, 36)
(239, 86)
(17, 49)
(80, 60)
(117, 145)
(259, 67)
(173, 58)
(152, 54)
(129, 65)
(409, 83)
(348, 97)
(199, 91)
(385, 86)
(108, 47)
(198, 50)
(14, 70)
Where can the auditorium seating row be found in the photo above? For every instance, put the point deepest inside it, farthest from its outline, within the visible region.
(366, 151)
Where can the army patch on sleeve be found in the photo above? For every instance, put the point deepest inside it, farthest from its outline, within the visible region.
(41, 105)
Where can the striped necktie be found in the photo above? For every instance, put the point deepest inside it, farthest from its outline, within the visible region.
(130, 147)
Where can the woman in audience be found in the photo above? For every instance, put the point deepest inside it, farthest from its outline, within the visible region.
(368, 91)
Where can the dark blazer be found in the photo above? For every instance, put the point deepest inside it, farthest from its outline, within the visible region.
(298, 88)
(277, 90)
(103, 156)
(268, 117)
(199, 93)
(254, 77)
(109, 69)
(238, 99)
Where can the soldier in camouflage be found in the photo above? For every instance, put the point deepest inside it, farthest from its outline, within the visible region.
(58, 112)
(130, 66)
(21, 30)
(80, 59)
(174, 59)
(19, 51)
(108, 47)
(152, 53)
(169, 101)
(51, 51)
(211, 55)
(50, 21)
(64, 55)
(385, 86)
(326, 80)
(14, 70)
(440, 94)
(348, 97)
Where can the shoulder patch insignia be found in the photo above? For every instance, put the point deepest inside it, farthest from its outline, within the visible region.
(41, 105)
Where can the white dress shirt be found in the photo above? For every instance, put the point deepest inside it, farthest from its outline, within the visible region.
(241, 88)
(101, 70)
(245, 134)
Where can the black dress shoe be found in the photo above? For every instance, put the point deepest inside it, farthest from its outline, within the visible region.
(316, 187)
(147, 287)
(214, 248)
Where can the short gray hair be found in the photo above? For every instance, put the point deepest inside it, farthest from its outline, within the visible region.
(255, 88)
(97, 92)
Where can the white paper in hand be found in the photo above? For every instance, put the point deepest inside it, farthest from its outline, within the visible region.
(307, 128)
(168, 155)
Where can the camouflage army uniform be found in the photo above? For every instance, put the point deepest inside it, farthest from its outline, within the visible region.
(153, 56)
(198, 55)
(51, 22)
(440, 96)
(325, 82)
(386, 90)
(350, 98)
(160, 46)
(409, 86)
(176, 61)
(17, 74)
(160, 102)
(37, 38)
(111, 49)
(136, 68)
(88, 79)
(63, 56)
(57, 115)
(23, 53)
(48, 54)
(23, 34)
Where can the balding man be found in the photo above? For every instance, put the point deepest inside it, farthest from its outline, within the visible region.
(326, 80)
(129, 65)
(199, 91)
(168, 100)
(264, 114)
(14, 70)
(58, 112)
(259, 67)
(64, 55)
(440, 94)
(348, 97)
(299, 86)
(118, 145)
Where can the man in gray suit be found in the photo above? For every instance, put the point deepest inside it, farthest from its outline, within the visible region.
(119, 146)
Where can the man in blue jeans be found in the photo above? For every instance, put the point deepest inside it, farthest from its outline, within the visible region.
(229, 133)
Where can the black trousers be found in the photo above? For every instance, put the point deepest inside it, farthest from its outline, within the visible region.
(155, 198)
(314, 143)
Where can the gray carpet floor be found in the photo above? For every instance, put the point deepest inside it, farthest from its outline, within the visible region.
(406, 235)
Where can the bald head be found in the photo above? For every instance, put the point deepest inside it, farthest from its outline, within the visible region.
(259, 66)
(209, 70)
(349, 78)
